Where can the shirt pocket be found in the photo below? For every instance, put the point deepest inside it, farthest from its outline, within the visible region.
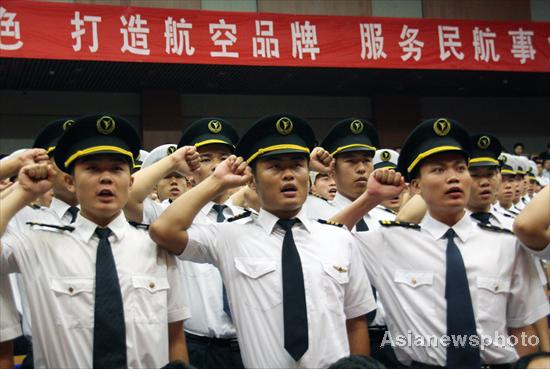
(261, 284)
(414, 290)
(75, 301)
(492, 297)
(334, 280)
(150, 299)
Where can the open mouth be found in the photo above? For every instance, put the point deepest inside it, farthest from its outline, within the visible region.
(454, 192)
(289, 190)
(332, 191)
(106, 194)
(485, 193)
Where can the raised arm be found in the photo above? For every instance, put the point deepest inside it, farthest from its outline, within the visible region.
(321, 161)
(532, 225)
(10, 167)
(413, 211)
(383, 184)
(169, 231)
(184, 160)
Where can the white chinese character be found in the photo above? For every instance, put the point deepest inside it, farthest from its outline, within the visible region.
(522, 48)
(304, 40)
(177, 37)
(449, 39)
(230, 38)
(484, 45)
(372, 41)
(135, 35)
(9, 28)
(410, 44)
(79, 31)
(264, 44)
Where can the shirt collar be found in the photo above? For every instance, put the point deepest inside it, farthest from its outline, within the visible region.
(234, 210)
(267, 220)
(463, 228)
(59, 207)
(85, 228)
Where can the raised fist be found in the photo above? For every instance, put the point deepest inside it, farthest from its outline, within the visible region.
(385, 184)
(321, 161)
(233, 172)
(37, 179)
(187, 160)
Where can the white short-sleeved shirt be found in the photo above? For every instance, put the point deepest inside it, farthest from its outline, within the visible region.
(10, 326)
(249, 258)
(58, 269)
(18, 223)
(408, 266)
(202, 283)
(317, 208)
(507, 212)
(507, 222)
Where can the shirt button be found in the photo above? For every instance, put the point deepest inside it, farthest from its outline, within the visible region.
(152, 285)
(71, 290)
(413, 280)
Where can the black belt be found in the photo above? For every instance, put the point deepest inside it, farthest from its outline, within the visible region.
(212, 340)
(378, 328)
(416, 365)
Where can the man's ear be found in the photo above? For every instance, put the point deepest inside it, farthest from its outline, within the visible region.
(415, 187)
(69, 182)
(252, 184)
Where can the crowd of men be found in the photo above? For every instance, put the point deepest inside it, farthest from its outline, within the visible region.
(272, 251)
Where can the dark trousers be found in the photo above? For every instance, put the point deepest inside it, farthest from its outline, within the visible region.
(384, 354)
(213, 353)
(416, 365)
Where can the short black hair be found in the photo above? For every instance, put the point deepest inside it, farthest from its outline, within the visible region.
(519, 144)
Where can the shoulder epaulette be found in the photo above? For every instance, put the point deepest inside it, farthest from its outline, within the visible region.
(55, 226)
(35, 206)
(139, 225)
(507, 215)
(494, 228)
(242, 215)
(322, 221)
(389, 210)
(397, 223)
(318, 196)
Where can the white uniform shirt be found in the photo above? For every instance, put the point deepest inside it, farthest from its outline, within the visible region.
(507, 222)
(379, 213)
(408, 266)
(249, 258)
(202, 283)
(320, 209)
(10, 327)
(511, 211)
(58, 269)
(317, 208)
(18, 223)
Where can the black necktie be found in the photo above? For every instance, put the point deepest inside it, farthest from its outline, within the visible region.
(220, 218)
(361, 226)
(294, 295)
(109, 350)
(219, 211)
(460, 312)
(73, 211)
(482, 217)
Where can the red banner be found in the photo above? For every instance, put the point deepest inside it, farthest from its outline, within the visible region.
(31, 29)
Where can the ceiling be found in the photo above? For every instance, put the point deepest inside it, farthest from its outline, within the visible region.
(70, 75)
